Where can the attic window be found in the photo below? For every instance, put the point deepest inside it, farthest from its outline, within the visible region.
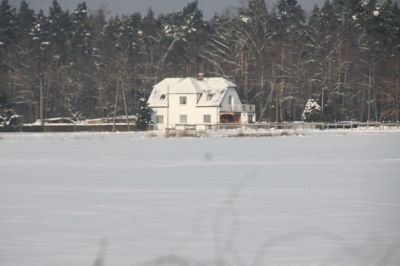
(230, 100)
(210, 96)
(162, 97)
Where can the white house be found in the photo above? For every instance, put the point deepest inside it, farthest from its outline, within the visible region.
(200, 102)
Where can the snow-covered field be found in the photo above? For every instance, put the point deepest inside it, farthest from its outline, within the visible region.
(130, 199)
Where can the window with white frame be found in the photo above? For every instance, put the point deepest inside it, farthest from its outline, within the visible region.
(207, 119)
(159, 119)
(183, 119)
(182, 100)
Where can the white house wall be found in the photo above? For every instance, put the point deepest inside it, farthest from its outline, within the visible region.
(195, 115)
(198, 116)
(176, 109)
(160, 111)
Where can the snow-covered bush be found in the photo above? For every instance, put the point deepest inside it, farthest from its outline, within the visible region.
(10, 120)
(312, 111)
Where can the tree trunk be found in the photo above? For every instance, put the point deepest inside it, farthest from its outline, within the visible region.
(369, 92)
(397, 93)
(282, 87)
(41, 100)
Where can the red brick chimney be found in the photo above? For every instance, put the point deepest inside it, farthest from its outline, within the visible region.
(200, 76)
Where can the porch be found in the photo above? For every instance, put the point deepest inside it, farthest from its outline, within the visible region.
(230, 117)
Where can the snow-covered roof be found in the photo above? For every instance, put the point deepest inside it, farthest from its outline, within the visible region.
(210, 90)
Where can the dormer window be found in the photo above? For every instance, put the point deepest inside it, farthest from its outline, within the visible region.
(210, 96)
(162, 97)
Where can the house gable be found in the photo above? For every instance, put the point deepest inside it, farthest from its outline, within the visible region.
(225, 104)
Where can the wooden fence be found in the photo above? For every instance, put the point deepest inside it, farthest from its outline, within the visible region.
(287, 126)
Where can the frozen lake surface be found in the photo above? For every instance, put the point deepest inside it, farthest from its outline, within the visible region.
(127, 199)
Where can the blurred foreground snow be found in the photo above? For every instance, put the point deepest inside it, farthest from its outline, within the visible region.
(130, 199)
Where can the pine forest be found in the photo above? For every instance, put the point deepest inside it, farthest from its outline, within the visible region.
(343, 55)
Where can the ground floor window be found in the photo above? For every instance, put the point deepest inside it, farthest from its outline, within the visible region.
(159, 119)
(207, 119)
(182, 100)
(183, 119)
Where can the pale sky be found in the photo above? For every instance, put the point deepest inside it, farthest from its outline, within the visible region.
(209, 7)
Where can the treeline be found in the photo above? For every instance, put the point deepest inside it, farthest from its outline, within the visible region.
(345, 56)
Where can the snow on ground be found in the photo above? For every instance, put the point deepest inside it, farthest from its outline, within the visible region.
(131, 199)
